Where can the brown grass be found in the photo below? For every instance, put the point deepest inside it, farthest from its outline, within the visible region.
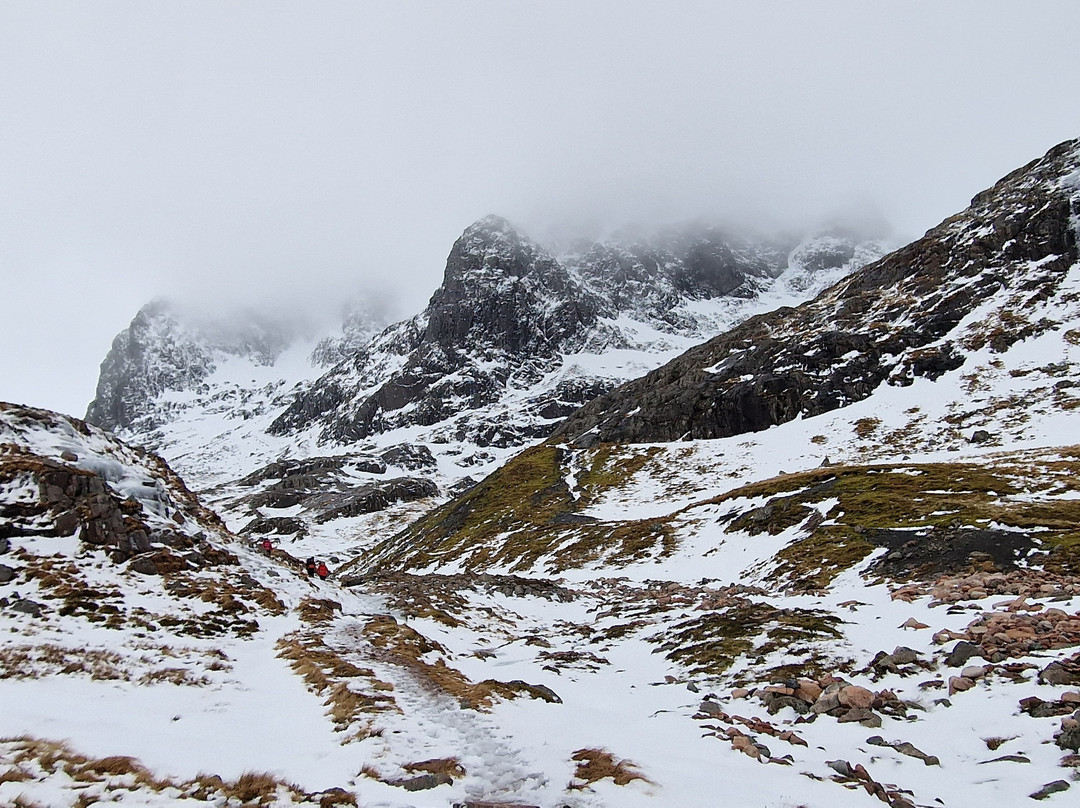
(318, 610)
(597, 764)
(339, 681)
(450, 766)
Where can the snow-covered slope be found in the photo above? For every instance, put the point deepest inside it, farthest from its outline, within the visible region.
(876, 598)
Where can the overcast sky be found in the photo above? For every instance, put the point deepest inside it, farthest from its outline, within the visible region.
(290, 151)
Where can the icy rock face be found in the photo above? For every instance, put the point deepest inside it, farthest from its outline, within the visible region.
(979, 280)
(60, 477)
(508, 313)
(166, 348)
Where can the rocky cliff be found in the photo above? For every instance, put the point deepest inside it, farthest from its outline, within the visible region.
(982, 278)
(508, 314)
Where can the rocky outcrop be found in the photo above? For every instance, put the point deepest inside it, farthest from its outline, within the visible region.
(892, 321)
(61, 477)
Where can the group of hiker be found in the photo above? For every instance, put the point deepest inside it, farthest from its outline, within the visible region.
(313, 566)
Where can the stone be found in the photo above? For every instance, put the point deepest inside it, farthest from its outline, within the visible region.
(974, 671)
(903, 655)
(855, 696)
(7, 574)
(859, 714)
(144, 565)
(5, 545)
(1050, 788)
(961, 653)
(826, 703)
(740, 693)
(710, 707)
(775, 702)
(69, 456)
(29, 607)
(958, 684)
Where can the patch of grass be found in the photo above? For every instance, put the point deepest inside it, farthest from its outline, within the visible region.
(525, 512)
(402, 645)
(450, 766)
(710, 643)
(866, 427)
(341, 683)
(598, 764)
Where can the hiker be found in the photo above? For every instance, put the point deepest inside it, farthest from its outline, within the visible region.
(309, 565)
(323, 570)
(267, 546)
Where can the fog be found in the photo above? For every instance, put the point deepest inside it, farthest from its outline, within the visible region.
(293, 154)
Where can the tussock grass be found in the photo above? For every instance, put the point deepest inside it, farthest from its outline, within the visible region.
(38, 759)
(450, 766)
(597, 764)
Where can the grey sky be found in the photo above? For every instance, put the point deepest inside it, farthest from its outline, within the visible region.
(288, 151)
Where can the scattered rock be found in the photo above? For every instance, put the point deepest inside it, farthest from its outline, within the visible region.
(7, 574)
(980, 436)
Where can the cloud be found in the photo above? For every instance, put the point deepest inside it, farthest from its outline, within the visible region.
(288, 151)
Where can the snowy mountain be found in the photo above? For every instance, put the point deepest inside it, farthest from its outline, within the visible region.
(843, 548)
(511, 341)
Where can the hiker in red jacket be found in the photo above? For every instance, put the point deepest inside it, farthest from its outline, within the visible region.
(267, 546)
(322, 570)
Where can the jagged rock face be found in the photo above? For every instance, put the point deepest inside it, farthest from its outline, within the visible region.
(163, 349)
(973, 281)
(506, 314)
